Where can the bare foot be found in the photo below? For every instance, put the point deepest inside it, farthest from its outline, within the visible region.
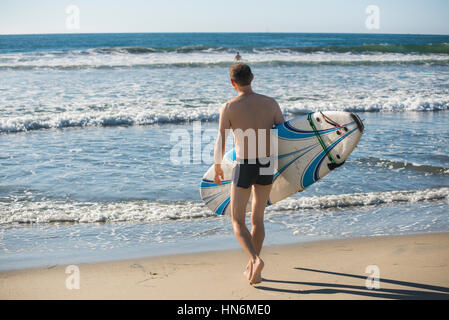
(257, 279)
(247, 272)
(256, 272)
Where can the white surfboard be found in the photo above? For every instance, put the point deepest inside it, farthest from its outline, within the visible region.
(309, 147)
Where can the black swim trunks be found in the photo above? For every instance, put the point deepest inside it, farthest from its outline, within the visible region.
(249, 172)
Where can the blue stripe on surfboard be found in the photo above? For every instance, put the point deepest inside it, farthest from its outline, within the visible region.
(231, 155)
(226, 206)
(222, 207)
(211, 198)
(311, 174)
(209, 184)
(322, 131)
(298, 151)
(276, 175)
(291, 128)
(287, 131)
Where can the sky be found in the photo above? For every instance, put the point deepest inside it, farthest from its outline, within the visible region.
(333, 16)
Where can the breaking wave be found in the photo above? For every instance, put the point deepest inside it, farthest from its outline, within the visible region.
(17, 211)
(150, 116)
(209, 56)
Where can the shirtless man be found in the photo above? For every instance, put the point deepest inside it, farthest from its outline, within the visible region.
(246, 113)
(238, 57)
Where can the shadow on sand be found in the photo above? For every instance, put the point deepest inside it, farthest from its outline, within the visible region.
(409, 293)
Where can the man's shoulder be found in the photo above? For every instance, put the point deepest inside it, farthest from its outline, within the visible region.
(263, 96)
(232, 100)
(229, 104)
(225, 106)
(266, 101)
(263, 99)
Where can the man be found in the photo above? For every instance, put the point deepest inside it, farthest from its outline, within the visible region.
(237, 57)
(249, 115)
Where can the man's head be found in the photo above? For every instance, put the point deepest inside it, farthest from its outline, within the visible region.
(241, 75)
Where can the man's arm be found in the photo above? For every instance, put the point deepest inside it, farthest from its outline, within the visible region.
(224, 126)
(278, 116)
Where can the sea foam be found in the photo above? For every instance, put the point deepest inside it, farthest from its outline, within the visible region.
(19, 211)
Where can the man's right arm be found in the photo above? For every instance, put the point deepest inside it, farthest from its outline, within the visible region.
(224, 126)
(278, 116)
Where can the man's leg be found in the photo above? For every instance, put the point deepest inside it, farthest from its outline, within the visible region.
(239, 201)
(260, 198)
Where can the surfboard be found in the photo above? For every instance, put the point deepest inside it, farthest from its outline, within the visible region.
(309, 147)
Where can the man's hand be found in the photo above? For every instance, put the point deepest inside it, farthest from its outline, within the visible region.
(218, 173)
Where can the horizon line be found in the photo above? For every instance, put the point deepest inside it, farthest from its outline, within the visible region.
(224, 32)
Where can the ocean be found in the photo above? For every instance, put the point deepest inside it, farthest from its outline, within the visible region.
(87, 124)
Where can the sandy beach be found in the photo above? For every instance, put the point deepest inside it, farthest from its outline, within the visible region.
(409, 267)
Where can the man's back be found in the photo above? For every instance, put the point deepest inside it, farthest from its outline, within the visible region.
(254, 112)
